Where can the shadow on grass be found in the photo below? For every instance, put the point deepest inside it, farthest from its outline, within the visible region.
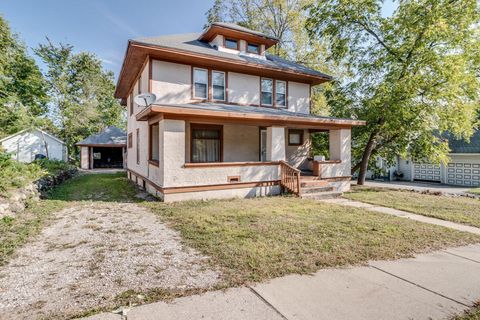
(106, 187)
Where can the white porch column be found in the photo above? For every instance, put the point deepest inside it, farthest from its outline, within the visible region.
(84, 158)
(172, 150)
(340, 149)
(275, 144)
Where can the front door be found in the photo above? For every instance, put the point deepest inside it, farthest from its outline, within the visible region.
(263, 145)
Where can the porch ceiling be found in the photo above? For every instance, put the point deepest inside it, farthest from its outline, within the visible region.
(261, 116)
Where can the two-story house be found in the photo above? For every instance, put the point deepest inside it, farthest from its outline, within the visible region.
(230, 120)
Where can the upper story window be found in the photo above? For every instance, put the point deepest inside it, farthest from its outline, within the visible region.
(200, 81)
(218, 84)
(131, 103)
(280, 93)
(231, 44)
(266, 94)
(253, 48)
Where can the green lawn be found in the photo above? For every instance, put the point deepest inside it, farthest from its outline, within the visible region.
(262, 238)
(473, 314)
(457, 209)
(474, 191)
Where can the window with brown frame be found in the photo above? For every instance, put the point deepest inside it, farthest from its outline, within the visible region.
(200, 83)
(130, 142)
(295, 137)
(131, 103)
(218, 86)
(154, 144)
(253, 48)
(280, 93)
(206, 143)
(231, 44)
(266, 92)
(138, 145)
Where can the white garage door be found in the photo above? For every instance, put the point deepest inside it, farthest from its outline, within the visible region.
(426, 172)
(463, 174)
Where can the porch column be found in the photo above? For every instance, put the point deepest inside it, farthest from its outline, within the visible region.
(275, 144)
(340, 149)
(171, 152)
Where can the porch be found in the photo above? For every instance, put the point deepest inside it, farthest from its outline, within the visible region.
(200, 157)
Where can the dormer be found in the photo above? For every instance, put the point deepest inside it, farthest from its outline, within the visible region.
(232, 38)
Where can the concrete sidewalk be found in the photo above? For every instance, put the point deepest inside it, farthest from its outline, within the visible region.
(431, 286)
(419, 186)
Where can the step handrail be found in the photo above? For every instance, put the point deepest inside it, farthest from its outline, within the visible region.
(289, 178)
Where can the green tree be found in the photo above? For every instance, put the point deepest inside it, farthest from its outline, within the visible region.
(81, 93)
(412, 75)
(23, 97)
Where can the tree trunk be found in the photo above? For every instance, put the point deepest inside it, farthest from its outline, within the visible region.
(366, 157)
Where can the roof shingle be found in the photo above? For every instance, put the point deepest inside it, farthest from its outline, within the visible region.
(110, 136)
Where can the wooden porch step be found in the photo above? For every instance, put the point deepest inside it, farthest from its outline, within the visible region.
(322, 195)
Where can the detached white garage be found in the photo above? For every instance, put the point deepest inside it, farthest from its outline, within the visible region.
(463, 169)
(28, 144)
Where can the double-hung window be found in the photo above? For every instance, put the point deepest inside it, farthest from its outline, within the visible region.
(280, 93)
(266, 95)
(218, 84)
(231, 44)
(253, 48)
(200, 83)
(206, 143)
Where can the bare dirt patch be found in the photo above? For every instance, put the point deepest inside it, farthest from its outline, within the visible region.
(92, 253)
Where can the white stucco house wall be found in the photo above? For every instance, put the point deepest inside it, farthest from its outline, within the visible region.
(26, 144)
(229, 120)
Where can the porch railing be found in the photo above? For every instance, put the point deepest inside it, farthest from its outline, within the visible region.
(289, 178)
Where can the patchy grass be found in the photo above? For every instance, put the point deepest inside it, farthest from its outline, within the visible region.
(472, 314)
(457, 209)
(474, 191)
(97, 187)
(258, 239)
(15, 231)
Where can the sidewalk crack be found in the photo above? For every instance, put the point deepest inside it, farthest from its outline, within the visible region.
(422, 287)
(268, 303)
(459, 256)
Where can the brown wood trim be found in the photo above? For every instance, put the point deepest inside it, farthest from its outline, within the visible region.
(229, 164)
(103, 145)
(130, 140)
(150, 73)
(283, 120)
(137, 50)
(137, 147)
(154, 163)
(335, 179)
(173, 190)
(295, 131)
(328, 161)
(200, 126)
(155, 119)
(236, 185)
(150, 142)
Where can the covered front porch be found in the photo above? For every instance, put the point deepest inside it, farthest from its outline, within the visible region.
(193, 156)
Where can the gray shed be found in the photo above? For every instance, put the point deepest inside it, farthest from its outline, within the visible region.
(104, 150)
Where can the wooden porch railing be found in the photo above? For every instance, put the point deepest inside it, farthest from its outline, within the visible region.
(289, 178)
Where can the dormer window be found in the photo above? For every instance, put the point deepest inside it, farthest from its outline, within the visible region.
(231, 44)
(253, 48)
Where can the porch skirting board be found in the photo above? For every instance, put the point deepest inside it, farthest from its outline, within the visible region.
(216, 191)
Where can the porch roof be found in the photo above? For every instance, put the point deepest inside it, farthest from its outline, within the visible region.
(225, 113)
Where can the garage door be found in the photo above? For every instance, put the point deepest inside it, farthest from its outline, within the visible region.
(426, 172)
(463, 174)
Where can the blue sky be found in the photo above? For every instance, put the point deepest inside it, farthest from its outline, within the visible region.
(101, 26)
(104, 26)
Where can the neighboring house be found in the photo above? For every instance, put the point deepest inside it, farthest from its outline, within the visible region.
(463, 168)
(106, 149)
(230, 120)
(26, 145)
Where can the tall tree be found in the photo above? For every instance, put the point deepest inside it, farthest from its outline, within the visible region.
(413, 75)
(23, 97)
(81, 93)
